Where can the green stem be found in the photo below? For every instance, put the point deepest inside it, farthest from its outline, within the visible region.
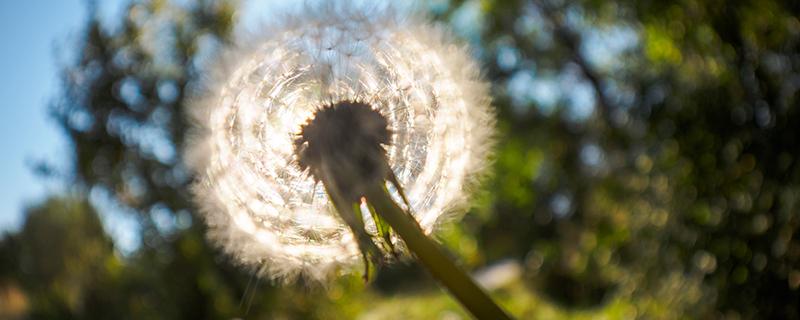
(460, 285)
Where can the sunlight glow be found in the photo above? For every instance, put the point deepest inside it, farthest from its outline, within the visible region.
(258, 204)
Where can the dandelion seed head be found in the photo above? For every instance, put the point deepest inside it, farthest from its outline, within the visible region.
(266, 210)
(348, 137)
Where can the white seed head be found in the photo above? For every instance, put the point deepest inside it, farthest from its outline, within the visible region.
(259, 205)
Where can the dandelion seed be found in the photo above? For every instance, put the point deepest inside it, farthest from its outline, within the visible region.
(263, 207)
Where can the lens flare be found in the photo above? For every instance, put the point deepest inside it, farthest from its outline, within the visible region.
(259, 205)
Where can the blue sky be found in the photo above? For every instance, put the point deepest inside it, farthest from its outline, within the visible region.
(30, 33)
(35, 36)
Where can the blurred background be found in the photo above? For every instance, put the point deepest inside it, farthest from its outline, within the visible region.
(648, 165)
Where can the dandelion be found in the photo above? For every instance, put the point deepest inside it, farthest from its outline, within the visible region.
(390, 91)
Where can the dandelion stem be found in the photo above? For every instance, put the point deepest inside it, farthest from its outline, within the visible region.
(460, 285)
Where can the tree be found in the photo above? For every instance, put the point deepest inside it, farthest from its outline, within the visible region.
(63, 261)
(694, 125)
